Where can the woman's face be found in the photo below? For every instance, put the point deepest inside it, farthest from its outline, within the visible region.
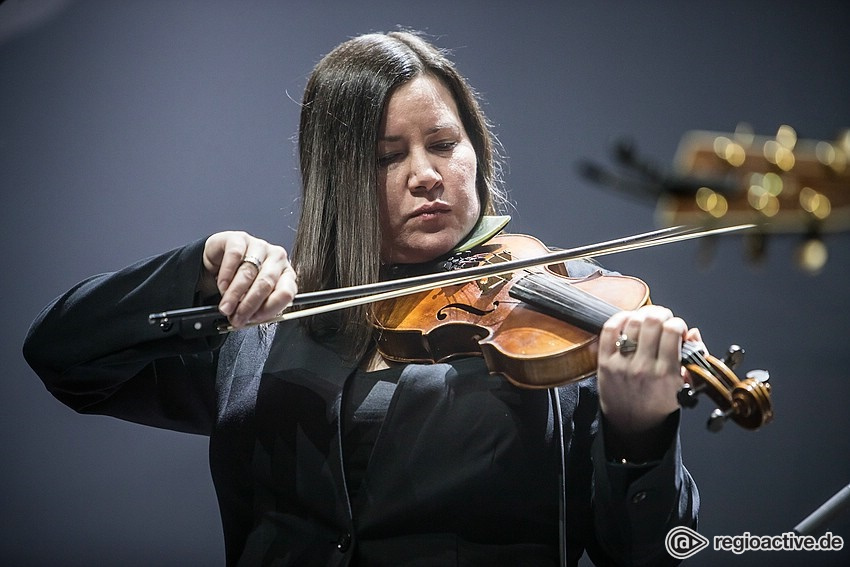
(426, 174)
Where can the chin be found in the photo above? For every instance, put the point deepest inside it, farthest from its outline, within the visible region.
(425, 251)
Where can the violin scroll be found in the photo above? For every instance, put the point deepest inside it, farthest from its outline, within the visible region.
(746, 402)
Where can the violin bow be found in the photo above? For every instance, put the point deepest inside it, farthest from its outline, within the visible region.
(208, 320)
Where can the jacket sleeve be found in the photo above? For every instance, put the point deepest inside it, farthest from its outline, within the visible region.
(632, 507)
(96, 352)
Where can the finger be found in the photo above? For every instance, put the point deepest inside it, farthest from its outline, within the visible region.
(279, 299)
(632, 332)
(611, 331)
(652, 318)
(670, 345)
(214, 252)
(244, 275)
(261, 288)
(256, 302)
(236, 247)
(694, 335)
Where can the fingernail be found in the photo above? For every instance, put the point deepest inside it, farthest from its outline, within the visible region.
(226, 308)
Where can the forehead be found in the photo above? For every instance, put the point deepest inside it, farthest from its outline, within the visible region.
(420, 99)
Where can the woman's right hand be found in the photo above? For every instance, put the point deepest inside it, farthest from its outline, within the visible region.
(248, 294)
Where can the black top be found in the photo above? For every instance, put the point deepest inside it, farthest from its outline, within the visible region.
(366, 400)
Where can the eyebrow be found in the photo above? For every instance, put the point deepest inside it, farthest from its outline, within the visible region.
(432, 130)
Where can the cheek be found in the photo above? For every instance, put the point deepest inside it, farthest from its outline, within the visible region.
(465, 173)
(386, 204)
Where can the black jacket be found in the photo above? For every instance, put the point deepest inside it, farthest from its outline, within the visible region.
(466, 470)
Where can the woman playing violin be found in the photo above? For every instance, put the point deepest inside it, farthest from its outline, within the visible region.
(322, 450)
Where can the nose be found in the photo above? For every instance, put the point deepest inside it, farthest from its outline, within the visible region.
(422, 175)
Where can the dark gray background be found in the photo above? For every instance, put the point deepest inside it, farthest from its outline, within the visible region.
(131, 127)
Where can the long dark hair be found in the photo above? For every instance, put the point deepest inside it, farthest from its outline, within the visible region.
(339, 237)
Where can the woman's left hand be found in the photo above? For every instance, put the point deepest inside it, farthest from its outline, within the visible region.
(637, 389)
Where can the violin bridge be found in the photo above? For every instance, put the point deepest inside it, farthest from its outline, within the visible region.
(492, 283)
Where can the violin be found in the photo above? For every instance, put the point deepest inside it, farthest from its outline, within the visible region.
(513, 303)
(540, 330)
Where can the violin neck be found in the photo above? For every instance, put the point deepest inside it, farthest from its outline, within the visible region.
(557, 297)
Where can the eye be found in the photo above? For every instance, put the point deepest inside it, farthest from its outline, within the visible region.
(445, 146)
(387, 159)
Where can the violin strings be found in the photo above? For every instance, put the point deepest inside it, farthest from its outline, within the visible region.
(693, 354)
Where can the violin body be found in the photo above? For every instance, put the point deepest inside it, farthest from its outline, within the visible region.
(530, 348)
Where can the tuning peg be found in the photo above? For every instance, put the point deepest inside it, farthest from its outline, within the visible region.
(624, 151)
(687, 395)
(755, 246)
(762, 376)
(718, 418)
(733, 357)
(780, 150)
(811, 255)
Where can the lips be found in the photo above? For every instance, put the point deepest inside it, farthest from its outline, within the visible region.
(431, 209)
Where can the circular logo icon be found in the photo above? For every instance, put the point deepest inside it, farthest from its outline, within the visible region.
(683, 542)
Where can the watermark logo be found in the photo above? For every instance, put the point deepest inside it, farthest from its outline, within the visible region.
(683, 542)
